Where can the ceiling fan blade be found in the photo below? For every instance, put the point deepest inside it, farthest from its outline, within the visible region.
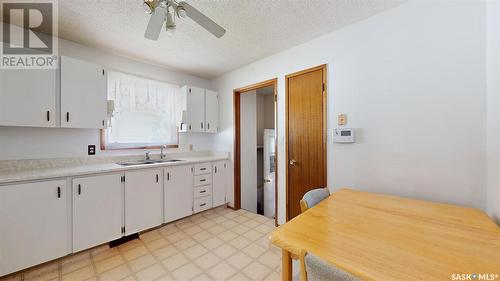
(155, 24)
(203, 20)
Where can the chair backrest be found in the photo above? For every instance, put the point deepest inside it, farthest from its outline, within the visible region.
(319, 270)
(313, 197)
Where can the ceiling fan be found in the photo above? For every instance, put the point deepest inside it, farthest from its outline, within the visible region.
(165, 12)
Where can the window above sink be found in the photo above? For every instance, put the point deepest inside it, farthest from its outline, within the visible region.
(144, 113)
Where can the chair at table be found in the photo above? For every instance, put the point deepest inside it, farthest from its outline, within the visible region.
(313, 197)
(318, 270)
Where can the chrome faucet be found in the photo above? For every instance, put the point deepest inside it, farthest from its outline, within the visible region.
(147, 155)
(162, 155)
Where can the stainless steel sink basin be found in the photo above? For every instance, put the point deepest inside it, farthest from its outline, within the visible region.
(148, 162)
(167, 160)
(134, 163)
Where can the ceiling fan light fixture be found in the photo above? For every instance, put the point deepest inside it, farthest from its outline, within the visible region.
(170, 20)
(149, 6)
(181, 12)
(165, 11)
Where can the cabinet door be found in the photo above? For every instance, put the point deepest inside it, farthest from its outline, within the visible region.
(178, 192)
(34, 223)
(143, 200)
(28, 98)
(212, 111)
(97, 210)
(83, 94)
(197, 109)
(219, 183)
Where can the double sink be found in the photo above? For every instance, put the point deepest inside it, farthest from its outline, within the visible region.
(148, 162)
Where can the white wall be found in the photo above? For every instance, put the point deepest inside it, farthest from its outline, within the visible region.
(412, 80)
(248, 117)
(33, 143)
(493, 103)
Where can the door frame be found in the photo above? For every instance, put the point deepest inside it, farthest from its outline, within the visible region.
(237, 141)
(325, 127)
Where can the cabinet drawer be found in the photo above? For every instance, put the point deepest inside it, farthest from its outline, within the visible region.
(202, 204)
(202, 168)
(201, 191)
(202, 180)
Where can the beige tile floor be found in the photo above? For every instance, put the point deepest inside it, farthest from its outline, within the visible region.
(220, 244)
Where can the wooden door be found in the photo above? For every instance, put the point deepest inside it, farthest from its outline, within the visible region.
(143, 200)
(306, 135)
(83, 94)
(97, 210)
(28, 98)
(178, 192)
(33, 223)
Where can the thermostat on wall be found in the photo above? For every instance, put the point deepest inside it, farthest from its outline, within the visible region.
(343, 135)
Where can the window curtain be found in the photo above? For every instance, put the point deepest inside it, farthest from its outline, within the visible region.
(145, 110)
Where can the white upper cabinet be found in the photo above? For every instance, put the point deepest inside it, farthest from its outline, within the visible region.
(28, 98)
(200, 110)
(219, 182)
(196, 102)
(212, 111)
(97, 210)
(143, 200)
(34, 224)
(83, 94)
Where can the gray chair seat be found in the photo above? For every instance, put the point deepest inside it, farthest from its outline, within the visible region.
(319, 270)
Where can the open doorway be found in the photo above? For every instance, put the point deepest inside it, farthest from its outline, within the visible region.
(255, 148)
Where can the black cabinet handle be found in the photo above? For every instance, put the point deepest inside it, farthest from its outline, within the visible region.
(79, 189)
(203, 191)
(67, 116)
(202, 180)
(203, 169)
(201, 205)
(168, 176)
(157, 178)
(208, 126)
(48, 116)
(215, 169)
(201, 125)
(58, 192)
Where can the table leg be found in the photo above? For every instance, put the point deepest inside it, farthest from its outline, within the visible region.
(286, 264)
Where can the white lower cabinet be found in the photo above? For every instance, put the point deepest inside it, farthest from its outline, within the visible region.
(33, 223)
(143, 200)
(35, 218)
(97, 210)
(219, 183)
(178, 195)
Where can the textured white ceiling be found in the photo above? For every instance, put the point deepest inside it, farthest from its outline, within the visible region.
(255, 29)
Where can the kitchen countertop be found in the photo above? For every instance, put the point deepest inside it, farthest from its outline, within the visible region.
(81, 170)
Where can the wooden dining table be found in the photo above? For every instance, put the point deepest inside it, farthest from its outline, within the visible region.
(380, 237)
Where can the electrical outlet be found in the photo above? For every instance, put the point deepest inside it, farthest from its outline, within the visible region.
(91, 149)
